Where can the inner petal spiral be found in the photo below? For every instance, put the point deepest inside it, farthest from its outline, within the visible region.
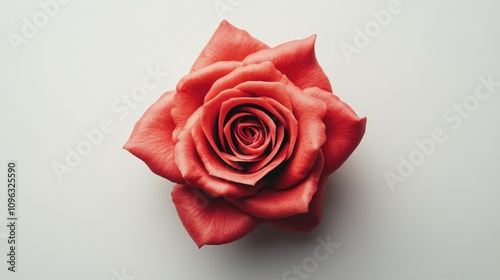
(247, 136)
(250, 136)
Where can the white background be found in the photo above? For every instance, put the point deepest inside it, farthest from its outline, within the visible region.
(112, 218)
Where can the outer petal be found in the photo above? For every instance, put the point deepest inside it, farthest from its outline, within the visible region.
(273, 204)
(297, 60)
(151, 139)
(193, 171)
(344, 129)
(307, 221)
(210, 221)
(227, 43)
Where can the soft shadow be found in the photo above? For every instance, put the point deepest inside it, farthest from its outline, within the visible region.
(268, 238)
(268, 252)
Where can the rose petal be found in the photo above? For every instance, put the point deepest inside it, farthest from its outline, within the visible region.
(344, 129)
(307, 221)
(210, 221)
(273, 204)
(151, 139)
(227, 43)
(291, 124)
(296, 60)
(273, 90)
(191, 91)
(194, 172)
(309, 113)
(264, 72)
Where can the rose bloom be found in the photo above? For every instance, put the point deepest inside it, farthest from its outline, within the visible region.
(250, 136)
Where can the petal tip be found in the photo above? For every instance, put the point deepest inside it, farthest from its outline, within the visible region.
(312, 38)
(362, 125)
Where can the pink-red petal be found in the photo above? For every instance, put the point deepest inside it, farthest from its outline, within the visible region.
(151, 139)
(273, 90)
(264, 72)
(296, 60)
(210, 220)
(227, 43)
(191, 91)
(311, 136)
(307, 221)
(269, 203)
(344, 129)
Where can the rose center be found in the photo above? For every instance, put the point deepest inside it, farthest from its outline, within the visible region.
(249, 130)
(249, 136)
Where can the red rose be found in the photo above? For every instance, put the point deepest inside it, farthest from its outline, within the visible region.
(250, 136)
